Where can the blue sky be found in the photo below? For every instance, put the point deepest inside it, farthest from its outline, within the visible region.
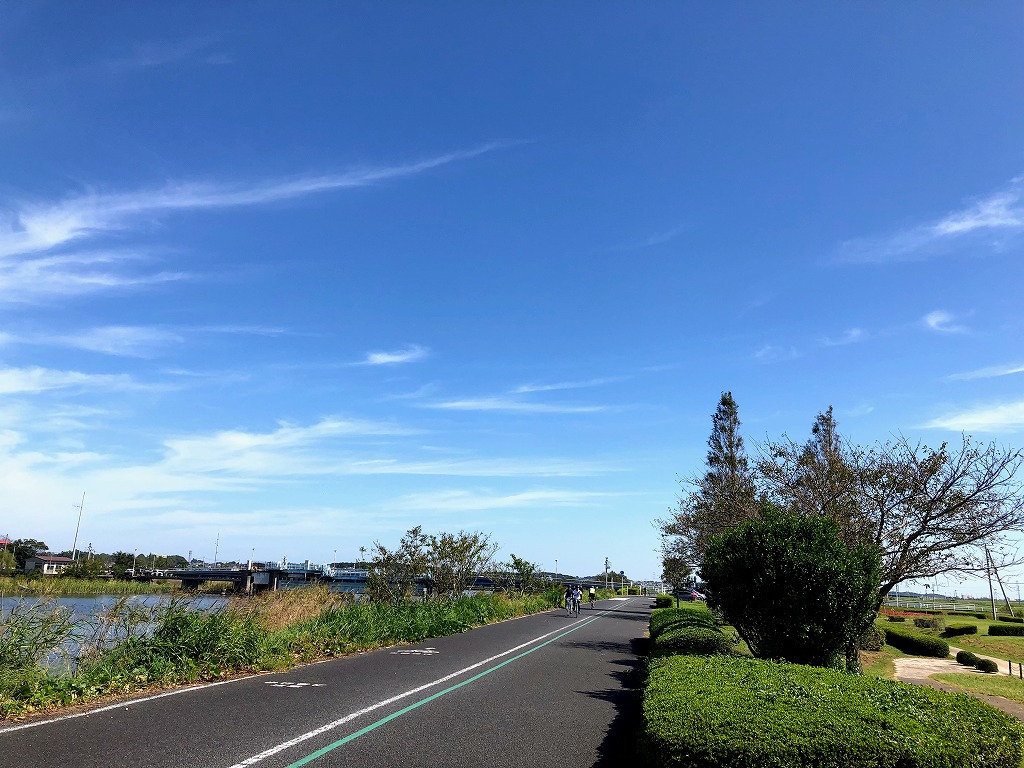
(308, 274)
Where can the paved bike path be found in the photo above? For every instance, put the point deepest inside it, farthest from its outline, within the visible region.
(541, 690)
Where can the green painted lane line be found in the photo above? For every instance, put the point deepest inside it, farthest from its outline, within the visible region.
(372, 726)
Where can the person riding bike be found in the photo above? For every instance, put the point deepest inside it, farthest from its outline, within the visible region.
(592, 594)
(577, 596)
(567, 597)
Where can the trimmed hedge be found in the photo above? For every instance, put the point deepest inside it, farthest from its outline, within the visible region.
(987, 665)
(897, 618)
(929, 623)
(916, 645)
(713, 711)
(663, 601)
(1012, 619)
(954, 630)
(966, 658)
(1015, 630)
(686, 630)
(687, 616)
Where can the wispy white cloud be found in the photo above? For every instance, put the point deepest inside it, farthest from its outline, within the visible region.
(988, 373)
(410, 354)
(528, 388)
(850, 336)
(512, 406)
(469, 501)
(995, 218)
(31, 279)
(1007, 417)
(272, 454)
(127, 341)
(771, 353)
(21, 381)
(37, 227)
(942, 321)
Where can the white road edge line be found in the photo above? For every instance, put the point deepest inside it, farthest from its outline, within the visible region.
(347, 718)
(130, 703)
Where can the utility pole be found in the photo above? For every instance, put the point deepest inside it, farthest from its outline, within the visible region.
(606, 573)
(988, 570)
(74, 545)
(216, 550)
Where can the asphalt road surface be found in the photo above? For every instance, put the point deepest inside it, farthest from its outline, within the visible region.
(543, 690)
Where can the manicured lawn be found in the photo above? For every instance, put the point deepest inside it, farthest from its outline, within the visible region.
(994, 685)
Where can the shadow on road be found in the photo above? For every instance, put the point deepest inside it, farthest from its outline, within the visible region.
(620, 744)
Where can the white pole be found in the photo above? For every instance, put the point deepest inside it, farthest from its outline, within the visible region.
(74, 545)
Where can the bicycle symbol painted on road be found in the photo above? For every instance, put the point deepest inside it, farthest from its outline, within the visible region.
(285, 684)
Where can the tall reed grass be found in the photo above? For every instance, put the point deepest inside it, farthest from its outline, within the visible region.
(132, 647)
(56, 586)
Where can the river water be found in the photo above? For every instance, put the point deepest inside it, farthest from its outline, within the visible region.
(91, 623)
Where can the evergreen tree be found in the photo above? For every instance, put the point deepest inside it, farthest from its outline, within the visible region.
(722, 498)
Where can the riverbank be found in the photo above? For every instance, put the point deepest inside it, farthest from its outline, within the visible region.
(50, 586)
(134, 648)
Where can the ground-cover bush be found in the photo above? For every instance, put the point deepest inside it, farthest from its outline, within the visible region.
(712, 711)
(1014, 630)
(954, 630)
(916, 645)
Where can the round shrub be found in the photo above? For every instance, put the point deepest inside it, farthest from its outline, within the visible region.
(966, 658)
(792, 587)
(663, 601)
(987, 665)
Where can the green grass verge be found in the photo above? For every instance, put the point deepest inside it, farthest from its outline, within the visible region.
(994, 685)
(713, 711)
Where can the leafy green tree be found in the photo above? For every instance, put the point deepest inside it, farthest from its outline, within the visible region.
(454, 559)
(722, 498)
(8, 562)
(793, 588)
(122, 562)
(85, 568)
(675, 569)
(930, 511)
(516, 575)
(392, 574)
(23, 549)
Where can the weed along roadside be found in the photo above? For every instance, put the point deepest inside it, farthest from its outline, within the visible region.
(706, 705)
(135, 648)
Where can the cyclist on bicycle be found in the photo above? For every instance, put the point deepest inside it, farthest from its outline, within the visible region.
(592, 594)
(568, 600)
(577, 596)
